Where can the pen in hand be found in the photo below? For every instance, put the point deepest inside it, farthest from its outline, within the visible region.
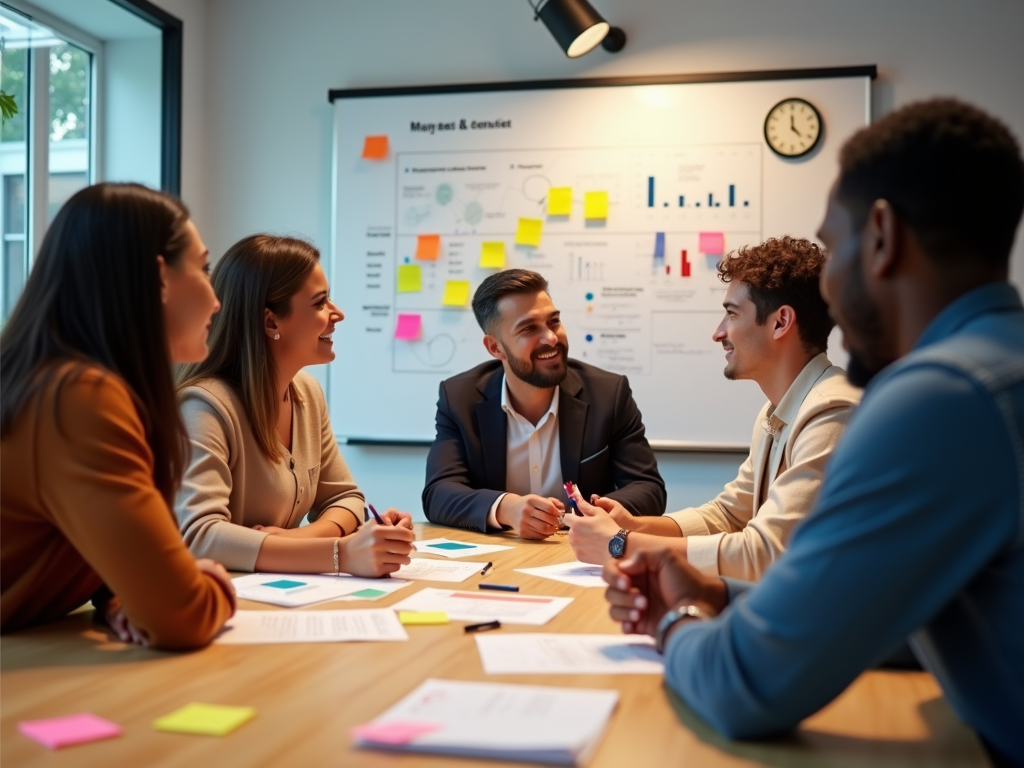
(376, 517)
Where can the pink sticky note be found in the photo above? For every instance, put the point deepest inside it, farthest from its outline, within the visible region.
(394, 732)
(408, 328)
(712, 242)
(58, 732)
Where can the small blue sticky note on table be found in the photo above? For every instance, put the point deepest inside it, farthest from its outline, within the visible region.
(283, 584)
(451, 545)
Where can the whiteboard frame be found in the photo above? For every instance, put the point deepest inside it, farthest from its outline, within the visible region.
(868, 71)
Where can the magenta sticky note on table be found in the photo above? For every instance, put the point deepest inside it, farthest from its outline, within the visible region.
(712, 242)
(394, 732)
(57, 732)
(408, 327)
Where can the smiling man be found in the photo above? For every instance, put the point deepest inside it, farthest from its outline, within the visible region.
(775, 332)
(919, 528)
(511, 430)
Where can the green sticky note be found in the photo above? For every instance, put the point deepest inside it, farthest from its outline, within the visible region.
(559, 201)
(451, 545)
(410, 278)
(595, 205)
(368, 594)
(456, 293)
(492, 255)
(528, 232)
(414, 618)
(206, 719)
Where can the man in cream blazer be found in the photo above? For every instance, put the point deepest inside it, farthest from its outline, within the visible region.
(775, 332)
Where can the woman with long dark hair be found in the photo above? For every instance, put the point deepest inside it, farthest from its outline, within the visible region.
(263, 451)
(91, 441)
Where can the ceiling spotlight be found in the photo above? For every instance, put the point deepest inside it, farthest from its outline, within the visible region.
(577, 27)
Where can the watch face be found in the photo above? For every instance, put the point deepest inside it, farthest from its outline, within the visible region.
(617, 546)
(792, 128)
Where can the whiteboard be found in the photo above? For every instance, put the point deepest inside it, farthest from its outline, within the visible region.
(676, 157)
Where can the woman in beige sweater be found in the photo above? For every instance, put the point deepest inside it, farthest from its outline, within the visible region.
(263, 451)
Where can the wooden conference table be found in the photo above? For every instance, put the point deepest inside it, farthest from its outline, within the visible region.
(307, 697)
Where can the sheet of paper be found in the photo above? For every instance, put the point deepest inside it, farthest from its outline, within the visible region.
(410, 278)
(423, 618)
(535, 610)
(375, 148)
(422, 569)
(428, 247)
(580, 574)
(57, 732)
(205, 719)
(712, 243)
(492, 254)
(595, 205)
(291, 590)
(456, 293)
(451, 548)
(529, 231)
(495, 721)
(560, 201)
(253, 627)
(554, 653)
(408, 327)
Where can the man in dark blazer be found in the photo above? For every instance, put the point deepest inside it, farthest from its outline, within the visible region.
(511, 430)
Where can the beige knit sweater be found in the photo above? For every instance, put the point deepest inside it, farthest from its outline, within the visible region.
(230, 485)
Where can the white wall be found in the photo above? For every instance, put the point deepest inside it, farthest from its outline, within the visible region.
(131, 111)
(257, 139)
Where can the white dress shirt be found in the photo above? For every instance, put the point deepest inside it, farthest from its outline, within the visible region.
(533, 458)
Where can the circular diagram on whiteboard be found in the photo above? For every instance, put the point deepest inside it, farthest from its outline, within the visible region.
(793, 127)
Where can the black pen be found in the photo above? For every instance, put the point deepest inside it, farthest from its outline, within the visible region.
(483, 627)
(486, 569)
(499, 587)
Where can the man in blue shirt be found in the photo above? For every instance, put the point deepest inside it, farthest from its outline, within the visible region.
(919, 529)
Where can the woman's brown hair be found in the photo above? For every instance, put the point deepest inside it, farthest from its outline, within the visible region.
(258, 272)
(93, 299)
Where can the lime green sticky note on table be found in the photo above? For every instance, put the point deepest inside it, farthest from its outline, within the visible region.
(410, 278)
(456, 293)
(206, 719)
(368, 594)
(492, 254)
(414, 618)
(528, 232)
(595, 205)
(559, 201)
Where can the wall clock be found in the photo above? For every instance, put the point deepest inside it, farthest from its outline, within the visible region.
(792, 127)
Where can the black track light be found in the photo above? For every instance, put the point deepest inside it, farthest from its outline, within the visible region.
(577, 27)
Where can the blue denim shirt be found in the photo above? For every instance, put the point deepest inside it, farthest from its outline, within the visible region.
(918, 531)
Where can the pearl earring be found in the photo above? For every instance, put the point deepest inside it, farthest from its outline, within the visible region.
(277, 336)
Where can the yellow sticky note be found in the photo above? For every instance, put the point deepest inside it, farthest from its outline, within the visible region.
(207, 719)
(410, 278)
(528, 232)
(456, 293)
(559, 201)
(428, 247)
(492, 255)
(375, 147)
(414, 618)
(595, 205)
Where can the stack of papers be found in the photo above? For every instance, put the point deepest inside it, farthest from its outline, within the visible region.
(577, 573)
(291, 590)
(494, 721)
(450, 548)
(515, 654)
(251, 627)
(486, 606)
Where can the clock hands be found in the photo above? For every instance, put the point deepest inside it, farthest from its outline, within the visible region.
(792, 126)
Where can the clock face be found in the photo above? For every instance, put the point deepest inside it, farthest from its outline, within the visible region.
(792, 128)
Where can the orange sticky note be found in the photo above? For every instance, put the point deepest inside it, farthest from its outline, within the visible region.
(375, 148)
(428, 247)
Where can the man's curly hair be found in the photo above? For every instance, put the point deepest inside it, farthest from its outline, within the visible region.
(952, 172)
(784, 271)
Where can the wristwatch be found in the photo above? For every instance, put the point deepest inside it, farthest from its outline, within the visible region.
(672, 618)
(617, 545)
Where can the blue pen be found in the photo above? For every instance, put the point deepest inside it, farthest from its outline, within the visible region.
(375, 515)
(499, 587)
(572, 502)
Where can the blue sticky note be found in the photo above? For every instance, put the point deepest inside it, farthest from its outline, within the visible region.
(283, 584)
(659, 245)
(451, 545)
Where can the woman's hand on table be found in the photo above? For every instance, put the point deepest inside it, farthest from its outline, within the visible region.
(376, 550)
(392, 516)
